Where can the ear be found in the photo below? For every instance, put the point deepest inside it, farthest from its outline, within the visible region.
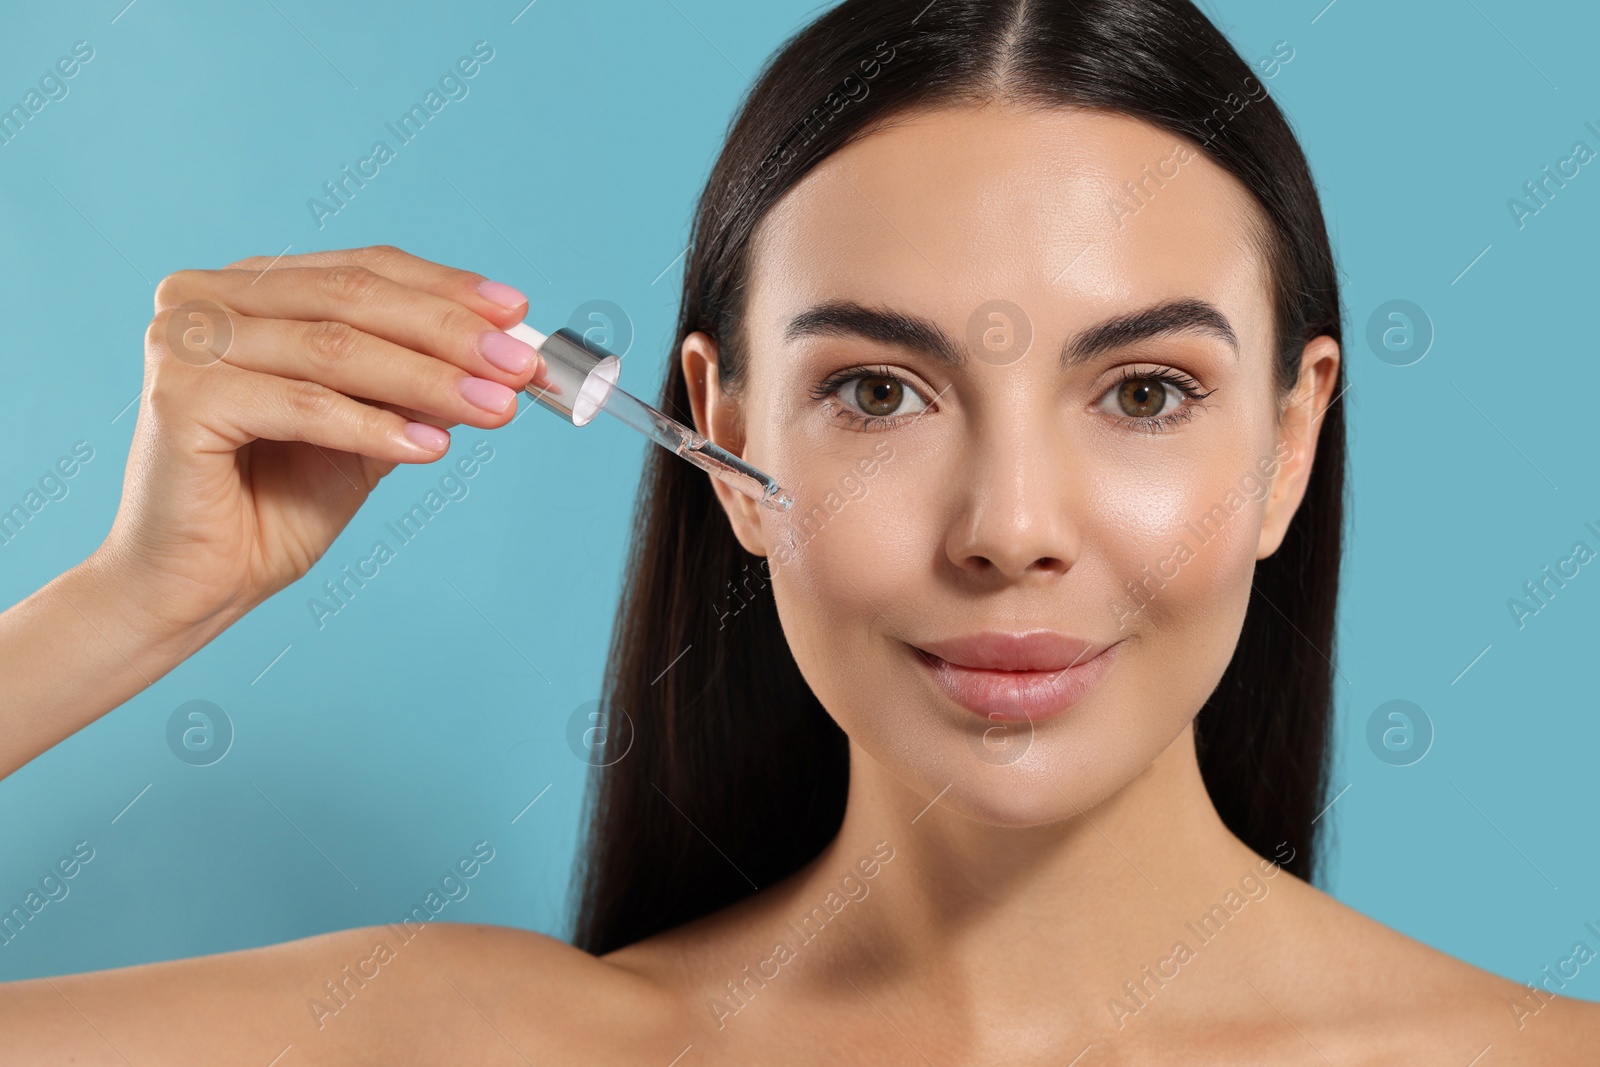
(1297, 439)
(717, 417)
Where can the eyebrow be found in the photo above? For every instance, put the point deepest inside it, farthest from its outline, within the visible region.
(841, 318)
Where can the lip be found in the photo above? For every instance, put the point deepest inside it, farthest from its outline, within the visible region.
(1016, 677)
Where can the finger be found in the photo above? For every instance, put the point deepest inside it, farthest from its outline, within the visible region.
(358, 364)
(423, 416)
(251, 405)
(495, 301)
(371, 303)
(409, 413)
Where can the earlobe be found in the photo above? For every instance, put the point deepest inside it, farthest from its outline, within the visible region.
(717, 416)
(1296, 440)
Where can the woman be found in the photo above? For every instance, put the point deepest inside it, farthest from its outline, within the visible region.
(1007, 744)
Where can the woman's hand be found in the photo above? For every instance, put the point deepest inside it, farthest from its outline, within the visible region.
(333, 368)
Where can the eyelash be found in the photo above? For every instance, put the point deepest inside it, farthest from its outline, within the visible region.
(1184, 384)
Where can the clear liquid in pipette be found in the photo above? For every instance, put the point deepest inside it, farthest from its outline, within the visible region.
(681, 440)
(729, 468)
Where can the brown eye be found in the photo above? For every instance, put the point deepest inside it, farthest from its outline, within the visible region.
(1142, 397)
(1154, 401)
(872, 399)
(879, 395)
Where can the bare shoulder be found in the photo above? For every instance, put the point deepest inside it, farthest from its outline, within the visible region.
(537, 993)
(379, 994)
(1387, 991)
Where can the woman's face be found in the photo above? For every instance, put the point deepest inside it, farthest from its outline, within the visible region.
(1020, 481)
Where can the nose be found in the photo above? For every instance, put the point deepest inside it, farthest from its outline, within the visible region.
(1017, 518)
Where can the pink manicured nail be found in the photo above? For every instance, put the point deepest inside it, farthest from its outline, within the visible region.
(506, 352)
(501, 293)
(430, 437)
(490, 396)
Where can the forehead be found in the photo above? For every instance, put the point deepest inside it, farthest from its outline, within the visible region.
(1071, 214)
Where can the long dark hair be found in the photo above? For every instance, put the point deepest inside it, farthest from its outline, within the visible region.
(736, 775)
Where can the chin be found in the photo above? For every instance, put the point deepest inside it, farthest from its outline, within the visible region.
(1025, 781)
(1007, 807)
(1038, 789)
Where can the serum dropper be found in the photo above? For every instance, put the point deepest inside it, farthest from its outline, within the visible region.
(583, 383)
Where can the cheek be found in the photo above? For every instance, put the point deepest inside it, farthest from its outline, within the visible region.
(853, 515)
(1179, 541)
(845, 562)
(1187, 528)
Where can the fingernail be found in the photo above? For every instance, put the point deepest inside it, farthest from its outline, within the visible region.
(490, 396)
(430, 437)
(501, 293)
(506, 352)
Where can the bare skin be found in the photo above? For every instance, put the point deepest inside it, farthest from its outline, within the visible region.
(971, 910)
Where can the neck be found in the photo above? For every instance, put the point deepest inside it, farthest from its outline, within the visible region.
(1064, 913)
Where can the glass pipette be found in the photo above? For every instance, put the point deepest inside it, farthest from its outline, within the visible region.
(583, 382)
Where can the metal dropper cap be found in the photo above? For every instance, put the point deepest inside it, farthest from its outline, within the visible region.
(581, 376)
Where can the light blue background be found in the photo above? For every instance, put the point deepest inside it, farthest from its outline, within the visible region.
(372, 753)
